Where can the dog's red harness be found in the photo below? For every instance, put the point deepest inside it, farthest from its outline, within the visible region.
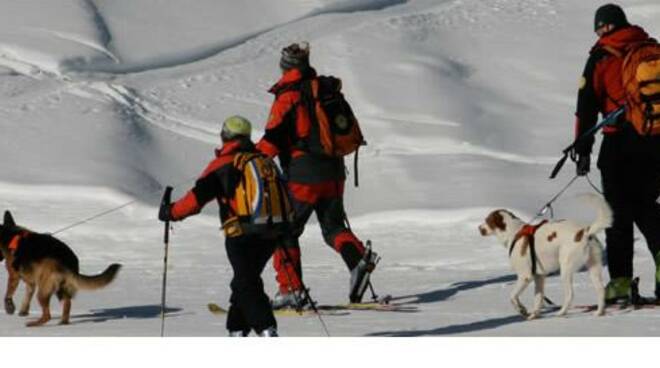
(528, 231)
(16, 241)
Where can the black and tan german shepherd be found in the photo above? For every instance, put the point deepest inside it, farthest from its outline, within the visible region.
(44, 264)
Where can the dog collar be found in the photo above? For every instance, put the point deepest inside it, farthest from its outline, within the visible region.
(16, 240)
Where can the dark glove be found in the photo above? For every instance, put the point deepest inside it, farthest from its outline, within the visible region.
(165, 212)
(583, 164)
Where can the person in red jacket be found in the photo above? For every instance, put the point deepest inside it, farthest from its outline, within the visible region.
(248, 254)
(629, 163)
(316, 183)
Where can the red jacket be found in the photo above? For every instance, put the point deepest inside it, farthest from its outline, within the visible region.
(219, 181)
(287, 127)
(601, 87)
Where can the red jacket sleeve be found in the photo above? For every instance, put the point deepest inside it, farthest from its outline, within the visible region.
(278, 128)
(186, 206)
(206, 188)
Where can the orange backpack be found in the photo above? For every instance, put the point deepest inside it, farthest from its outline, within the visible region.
(334, 131)
(260, 205)
(641, 82)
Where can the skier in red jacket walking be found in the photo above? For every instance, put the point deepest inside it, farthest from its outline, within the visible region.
(315, 182)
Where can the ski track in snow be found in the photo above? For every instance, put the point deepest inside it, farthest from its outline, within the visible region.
(150, 111)
(213, 50)
(129, 99)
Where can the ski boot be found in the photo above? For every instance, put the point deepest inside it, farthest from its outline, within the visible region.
(269, 332)
(618, 291)
(361, 273)
(294, 299)
(635, 298)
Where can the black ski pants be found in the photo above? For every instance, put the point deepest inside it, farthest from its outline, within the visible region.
(249, 305)
(630, 169)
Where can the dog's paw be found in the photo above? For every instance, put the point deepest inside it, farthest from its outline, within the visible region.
(10, 308)
(562, 312)
(599, 313)
(534, 315)
(38, 322)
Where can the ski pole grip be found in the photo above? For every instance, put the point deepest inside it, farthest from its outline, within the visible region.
(167, 199)
(167, 196)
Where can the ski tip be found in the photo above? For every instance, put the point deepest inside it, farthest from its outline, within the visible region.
(215, 309)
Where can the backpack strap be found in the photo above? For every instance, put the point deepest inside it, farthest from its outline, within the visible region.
(240, 160)
(309, 89)
(618, 54)
(613, 51)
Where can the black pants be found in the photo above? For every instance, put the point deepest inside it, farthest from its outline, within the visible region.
(630, 169)
(250, 307)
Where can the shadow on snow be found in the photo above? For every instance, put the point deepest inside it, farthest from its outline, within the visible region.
(444, 294)
(133, 312)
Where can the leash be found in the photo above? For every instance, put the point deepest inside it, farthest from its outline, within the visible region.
(112, 210)
(594, 186)
(548, 206)
(607, 120)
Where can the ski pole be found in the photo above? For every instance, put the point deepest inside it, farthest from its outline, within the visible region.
(374, 296)
(167, 196)
(312, 303)
(608, 120)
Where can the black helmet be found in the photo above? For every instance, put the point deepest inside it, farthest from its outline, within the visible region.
(610, 14)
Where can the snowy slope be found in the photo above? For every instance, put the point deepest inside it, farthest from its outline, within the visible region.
(465, 105)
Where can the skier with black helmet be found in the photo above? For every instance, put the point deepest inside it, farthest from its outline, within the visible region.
(629, 160)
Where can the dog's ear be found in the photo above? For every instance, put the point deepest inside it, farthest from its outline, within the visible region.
(9, 220)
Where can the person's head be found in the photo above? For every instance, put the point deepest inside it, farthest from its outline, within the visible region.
(295, 56)
(608, 18)
(235, 127)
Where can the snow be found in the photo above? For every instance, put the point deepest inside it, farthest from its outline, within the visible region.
(465, 104)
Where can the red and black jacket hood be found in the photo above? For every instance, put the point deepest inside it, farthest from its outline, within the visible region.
(291, 78)
(621, 38)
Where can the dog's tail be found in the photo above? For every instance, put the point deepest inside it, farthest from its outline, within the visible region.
(97, 281)
(604, 213)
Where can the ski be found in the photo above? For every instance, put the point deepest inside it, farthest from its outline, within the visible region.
(217, 310)
(373, 306)
(586, 308)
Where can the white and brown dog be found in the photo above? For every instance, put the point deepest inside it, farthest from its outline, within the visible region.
(558, 245)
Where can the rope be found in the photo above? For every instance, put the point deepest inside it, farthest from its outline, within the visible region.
(548, 206)
(99, 215)
(111, 210)
(594, 186)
